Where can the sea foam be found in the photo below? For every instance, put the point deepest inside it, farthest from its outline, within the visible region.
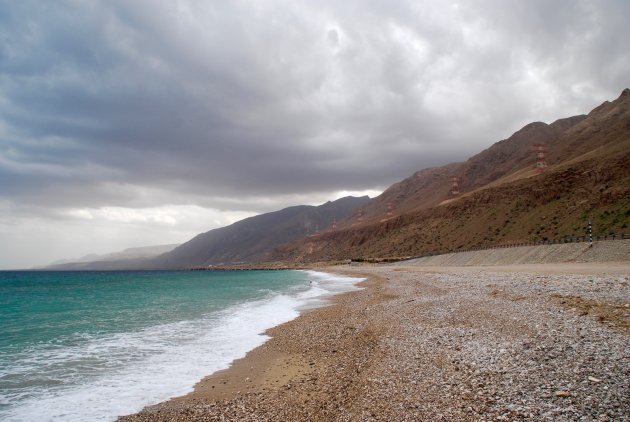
(122, 373)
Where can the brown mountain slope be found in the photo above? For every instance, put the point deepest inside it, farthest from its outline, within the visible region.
(505, 161)
(249, 240)
(505, 199)
(254, 238)
(429, 187)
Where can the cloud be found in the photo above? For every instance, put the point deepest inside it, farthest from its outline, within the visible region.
(245, 106)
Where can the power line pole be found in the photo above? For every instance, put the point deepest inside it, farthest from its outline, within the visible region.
(541, 162)
(390, 210)
(455, 182)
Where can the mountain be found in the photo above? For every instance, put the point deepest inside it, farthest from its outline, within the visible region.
(504, 199)
(248, 240)
(128, 254)
(430, 187)
(254, 238)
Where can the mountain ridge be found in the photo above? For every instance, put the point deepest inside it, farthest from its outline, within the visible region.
(140, 252)
(504, 198)
(587, 174)
(249, 240)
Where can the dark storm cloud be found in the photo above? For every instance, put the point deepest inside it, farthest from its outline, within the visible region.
(197, 101)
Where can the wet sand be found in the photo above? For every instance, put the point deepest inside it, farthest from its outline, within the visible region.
(538, 342)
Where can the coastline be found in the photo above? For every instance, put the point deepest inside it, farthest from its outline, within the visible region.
(436, 344)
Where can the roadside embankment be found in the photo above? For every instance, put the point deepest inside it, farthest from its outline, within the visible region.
(602, 251)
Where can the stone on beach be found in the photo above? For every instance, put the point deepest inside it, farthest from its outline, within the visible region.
(448, 344)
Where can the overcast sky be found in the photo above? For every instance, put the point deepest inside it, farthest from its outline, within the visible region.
(131, 123)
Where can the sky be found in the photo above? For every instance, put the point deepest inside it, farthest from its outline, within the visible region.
(128, 123)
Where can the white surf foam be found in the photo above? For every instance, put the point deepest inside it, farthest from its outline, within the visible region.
(150, 366)
(325, 285)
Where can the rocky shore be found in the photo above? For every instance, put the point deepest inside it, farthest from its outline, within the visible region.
(549, 342)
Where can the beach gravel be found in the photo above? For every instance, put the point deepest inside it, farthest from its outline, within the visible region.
(423, 345)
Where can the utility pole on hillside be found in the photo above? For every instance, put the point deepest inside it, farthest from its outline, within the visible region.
(360, 215)
(455, 182)
(390, 209)
(541, 163)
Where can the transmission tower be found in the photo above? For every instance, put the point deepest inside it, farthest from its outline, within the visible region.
(455, 182)
(360, 215)
(390, 209)
(541, 163)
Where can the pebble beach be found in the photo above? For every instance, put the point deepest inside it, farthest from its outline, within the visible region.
(538, 342)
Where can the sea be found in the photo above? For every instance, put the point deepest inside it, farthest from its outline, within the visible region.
(92, 346)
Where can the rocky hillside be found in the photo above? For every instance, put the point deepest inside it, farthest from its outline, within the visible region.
(430, 187)
(254, 238)
(503, 198)
(249, 240)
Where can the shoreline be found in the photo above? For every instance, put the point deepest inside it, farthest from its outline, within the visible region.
(363, 358)
(265, 365)
(269, 367)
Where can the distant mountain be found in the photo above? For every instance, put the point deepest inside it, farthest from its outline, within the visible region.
(254, 238)
(503, 198)
(249, 240)
(86, 261)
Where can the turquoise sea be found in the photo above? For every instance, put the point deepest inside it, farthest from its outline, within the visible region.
(91, 346)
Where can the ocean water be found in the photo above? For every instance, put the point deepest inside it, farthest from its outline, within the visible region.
(91, 346)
